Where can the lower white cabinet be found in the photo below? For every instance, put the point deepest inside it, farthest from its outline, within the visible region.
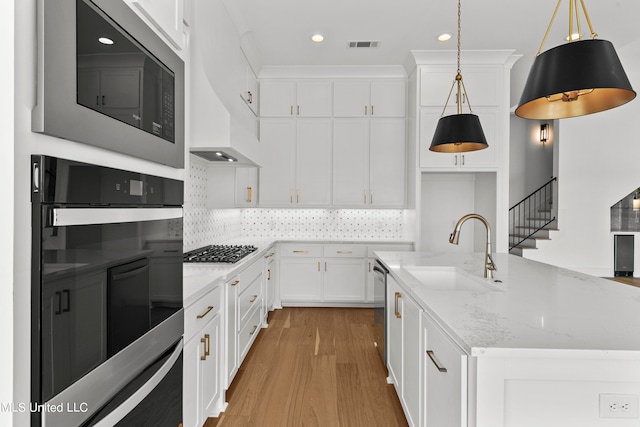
(202, 391)
(445, 378)
(403, 350)
(342, 279)
(243, 310)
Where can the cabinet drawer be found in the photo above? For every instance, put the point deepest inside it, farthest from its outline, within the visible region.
(301, 250)
(201, 311)
(345, 251)
(250, 330)
(249, 276)
(247, 300)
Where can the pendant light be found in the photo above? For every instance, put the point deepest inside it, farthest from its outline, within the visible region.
(576, 78)
(459, 132)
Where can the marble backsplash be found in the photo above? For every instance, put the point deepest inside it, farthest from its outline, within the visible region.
(203, 226)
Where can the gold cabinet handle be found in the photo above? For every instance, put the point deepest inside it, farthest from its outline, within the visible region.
(455, 161)
(318, 265)
(462, 159)
(235, 283)
(369, 267)
(250, 97)
(344, 252)
(255, 327)
(291, 111)
(249, 194)
(207, 337)
(297, 196)
(300, 251)
(365, 195)
(290, 197)
(365, 110)
(253, 298)
(298, 110)
(398, 296)
(325, 266)
(204, 348)
(371, 197)
(204, 313)
(268, 274)
(372, 109)
(435, 362)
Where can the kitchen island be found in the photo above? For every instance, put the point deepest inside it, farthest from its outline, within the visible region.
(536, 345)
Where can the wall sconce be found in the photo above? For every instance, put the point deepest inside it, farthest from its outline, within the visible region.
(544, 132)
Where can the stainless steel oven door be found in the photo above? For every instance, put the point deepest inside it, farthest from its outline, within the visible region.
(109, 275)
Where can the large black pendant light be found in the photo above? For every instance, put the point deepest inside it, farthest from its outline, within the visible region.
(459, 132)
(576, 78)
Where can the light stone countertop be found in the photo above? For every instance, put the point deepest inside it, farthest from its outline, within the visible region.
(535, 306)
(198, 279)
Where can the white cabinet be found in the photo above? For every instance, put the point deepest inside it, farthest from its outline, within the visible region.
(246, 187)
(445, 378)
(482, 83)
(300, 275)
(243, 312)
(202, 391)
(271, 282)
(287, 98)
(344, 266)
(369, 162)
(296, 170)
(404, 348)
(248, 85)
(488, 158)
(166, 16)
(376, 98)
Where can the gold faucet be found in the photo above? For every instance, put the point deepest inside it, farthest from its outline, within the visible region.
(489, 266)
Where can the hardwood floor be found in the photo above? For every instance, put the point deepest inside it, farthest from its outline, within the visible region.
(313, 367)
(633, 281)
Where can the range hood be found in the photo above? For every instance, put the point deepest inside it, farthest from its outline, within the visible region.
(217, 124)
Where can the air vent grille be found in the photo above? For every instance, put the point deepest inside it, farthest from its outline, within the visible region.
(363, 43)
(215, 156)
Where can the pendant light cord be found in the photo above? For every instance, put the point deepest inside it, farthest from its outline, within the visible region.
(459, 19)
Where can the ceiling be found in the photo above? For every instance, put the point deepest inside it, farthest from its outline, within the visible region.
(280, 30)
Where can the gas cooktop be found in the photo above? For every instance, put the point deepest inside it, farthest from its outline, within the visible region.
(227, 254)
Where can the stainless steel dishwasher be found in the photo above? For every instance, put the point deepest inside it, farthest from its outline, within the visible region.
(379, 310)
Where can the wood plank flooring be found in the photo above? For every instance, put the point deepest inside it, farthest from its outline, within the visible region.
(313, 367)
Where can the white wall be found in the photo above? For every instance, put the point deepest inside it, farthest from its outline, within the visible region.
(6, 231)
(27, 143)
(530, 161)
(598, 159)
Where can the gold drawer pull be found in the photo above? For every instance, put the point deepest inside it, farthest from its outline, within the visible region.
(204, 349)
(235, 283)
(268, 274)
(433, 359)
(345, 252)
(200, 316)
(208, 350)
(398, 296)
(300, 251)
(254, 330)
(255, 297)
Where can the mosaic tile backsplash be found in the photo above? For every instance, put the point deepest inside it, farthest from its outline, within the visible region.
(203, 226)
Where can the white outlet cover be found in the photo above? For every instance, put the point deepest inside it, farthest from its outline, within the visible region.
(619, 406)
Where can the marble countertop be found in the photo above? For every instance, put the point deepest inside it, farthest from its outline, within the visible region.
(199, 278)
(533, 306)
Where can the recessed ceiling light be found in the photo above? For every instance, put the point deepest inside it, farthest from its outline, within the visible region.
(317, 38)
(105, 40)
(444, 37)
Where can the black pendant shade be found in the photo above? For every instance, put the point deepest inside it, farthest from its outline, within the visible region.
(575, 79)
(458, 133)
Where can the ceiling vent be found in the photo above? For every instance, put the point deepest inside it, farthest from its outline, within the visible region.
(363, 43)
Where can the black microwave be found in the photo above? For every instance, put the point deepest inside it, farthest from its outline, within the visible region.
(106, 79)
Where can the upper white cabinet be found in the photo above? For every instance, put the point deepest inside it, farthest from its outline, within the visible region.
(246, 187)
(482, 83)
(296, 170)
(249, 86)
(369, 162)
(377, 98)
(166, 16)
(286, 98)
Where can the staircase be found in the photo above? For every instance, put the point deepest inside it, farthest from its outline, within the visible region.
(531, 219)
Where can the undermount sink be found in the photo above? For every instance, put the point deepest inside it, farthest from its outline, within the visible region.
(451, 279)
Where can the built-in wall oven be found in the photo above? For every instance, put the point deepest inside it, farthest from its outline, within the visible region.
(107, 312)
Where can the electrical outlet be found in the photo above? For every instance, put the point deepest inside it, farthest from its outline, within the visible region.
(619, 406)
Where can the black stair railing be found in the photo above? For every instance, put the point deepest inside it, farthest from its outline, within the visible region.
(531, 214)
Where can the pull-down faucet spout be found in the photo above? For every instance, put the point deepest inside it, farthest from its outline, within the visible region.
(489, 266)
